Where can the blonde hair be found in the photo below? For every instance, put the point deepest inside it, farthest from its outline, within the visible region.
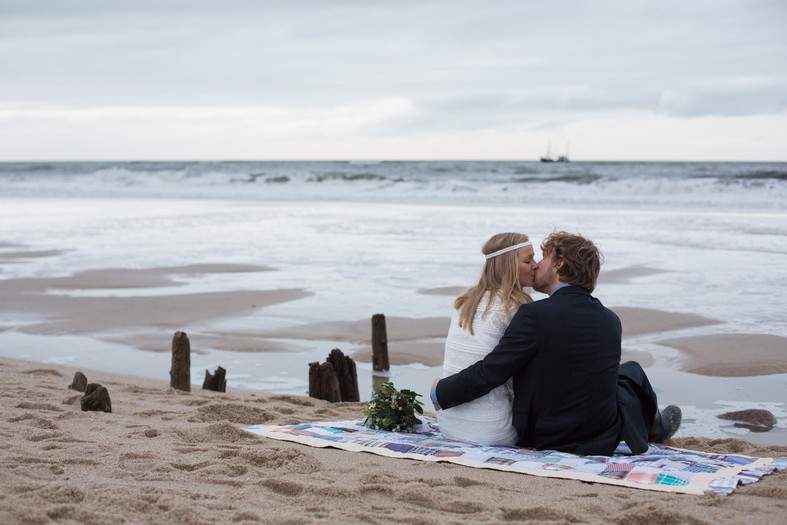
(500, 277)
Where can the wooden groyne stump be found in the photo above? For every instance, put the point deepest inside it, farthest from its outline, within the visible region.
(96, 398)
(346, 374)
(379, 344)
(323, 383)
(215, 382)
(79, 383)
(180, 373)
(334, 380)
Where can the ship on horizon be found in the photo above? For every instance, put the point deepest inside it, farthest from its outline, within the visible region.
(548, 156)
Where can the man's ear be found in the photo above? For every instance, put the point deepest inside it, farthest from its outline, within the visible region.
(559, 264)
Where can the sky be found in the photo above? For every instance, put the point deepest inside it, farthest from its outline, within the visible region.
(378, 80)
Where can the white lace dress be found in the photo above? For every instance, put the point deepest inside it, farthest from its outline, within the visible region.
(486, 420)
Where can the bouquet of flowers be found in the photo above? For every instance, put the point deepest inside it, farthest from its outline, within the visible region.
(390, 409)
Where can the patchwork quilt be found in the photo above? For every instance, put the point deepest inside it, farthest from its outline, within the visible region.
(660, 468)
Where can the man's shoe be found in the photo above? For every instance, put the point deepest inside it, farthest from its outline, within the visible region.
(666, 424)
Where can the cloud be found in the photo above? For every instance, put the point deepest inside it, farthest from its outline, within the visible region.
(432, 67)
(213, 123)
(731, 97)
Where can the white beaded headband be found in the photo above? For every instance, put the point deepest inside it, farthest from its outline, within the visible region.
(509, 249)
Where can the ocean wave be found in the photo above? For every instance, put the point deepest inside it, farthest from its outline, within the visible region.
(710, 185)
(765, 175)
(341, 176)
(587, 178)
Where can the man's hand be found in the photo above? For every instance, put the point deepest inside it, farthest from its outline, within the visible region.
(433, 395)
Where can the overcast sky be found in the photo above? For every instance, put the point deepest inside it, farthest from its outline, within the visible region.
(236, 80)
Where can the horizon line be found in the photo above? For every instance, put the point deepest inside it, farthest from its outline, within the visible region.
(572, 161)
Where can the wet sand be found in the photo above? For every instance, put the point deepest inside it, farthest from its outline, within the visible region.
(142, 308)
(153, 317)
(410, 340)
(165, 456)
(732, 355)
(638, 321)
(58, 308)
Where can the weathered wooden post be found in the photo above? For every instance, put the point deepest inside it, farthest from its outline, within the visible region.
(180, 373)
(346, 374)
(323, 383)
(79, 383)
(96, 398)
(215, 382)
(379, 344)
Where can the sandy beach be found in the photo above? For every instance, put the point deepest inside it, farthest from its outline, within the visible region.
(166, 456)
(256, 183)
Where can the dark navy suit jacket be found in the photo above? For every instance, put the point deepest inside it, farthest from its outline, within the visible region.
(563, 353)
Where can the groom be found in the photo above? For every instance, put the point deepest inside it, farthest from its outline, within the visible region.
(570, 391)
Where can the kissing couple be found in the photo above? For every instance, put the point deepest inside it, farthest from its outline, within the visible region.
(544, 374)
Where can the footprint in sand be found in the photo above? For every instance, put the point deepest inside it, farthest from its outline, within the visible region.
(151, 413)
(246, 516)
(294, 400)
(35, 468)
(190, 450)
(284, 410)
(43, 372)
(29, 417)
(420, 494)
(191, 467)
(61, 494)
(27, 405)
(227, 469)
(282, 459)
(463, 482)
(196, 402)
(234, 413)
(283, 487)
(222, 432)
(541, 514)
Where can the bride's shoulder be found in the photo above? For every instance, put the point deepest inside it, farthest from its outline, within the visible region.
(495, 303)
(495, 313)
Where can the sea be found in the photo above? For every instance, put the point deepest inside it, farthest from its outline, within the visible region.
(705, 238)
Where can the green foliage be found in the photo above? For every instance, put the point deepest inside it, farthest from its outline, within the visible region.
(390, 409)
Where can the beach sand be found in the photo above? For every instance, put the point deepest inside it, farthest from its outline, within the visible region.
(732, 355)
(64, 313)
(166, 456)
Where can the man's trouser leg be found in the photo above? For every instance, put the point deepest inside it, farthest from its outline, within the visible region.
(636, 405)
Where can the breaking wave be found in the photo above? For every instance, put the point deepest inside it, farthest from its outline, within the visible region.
(623, 184)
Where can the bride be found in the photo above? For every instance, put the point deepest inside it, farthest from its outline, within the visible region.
(481, 315)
